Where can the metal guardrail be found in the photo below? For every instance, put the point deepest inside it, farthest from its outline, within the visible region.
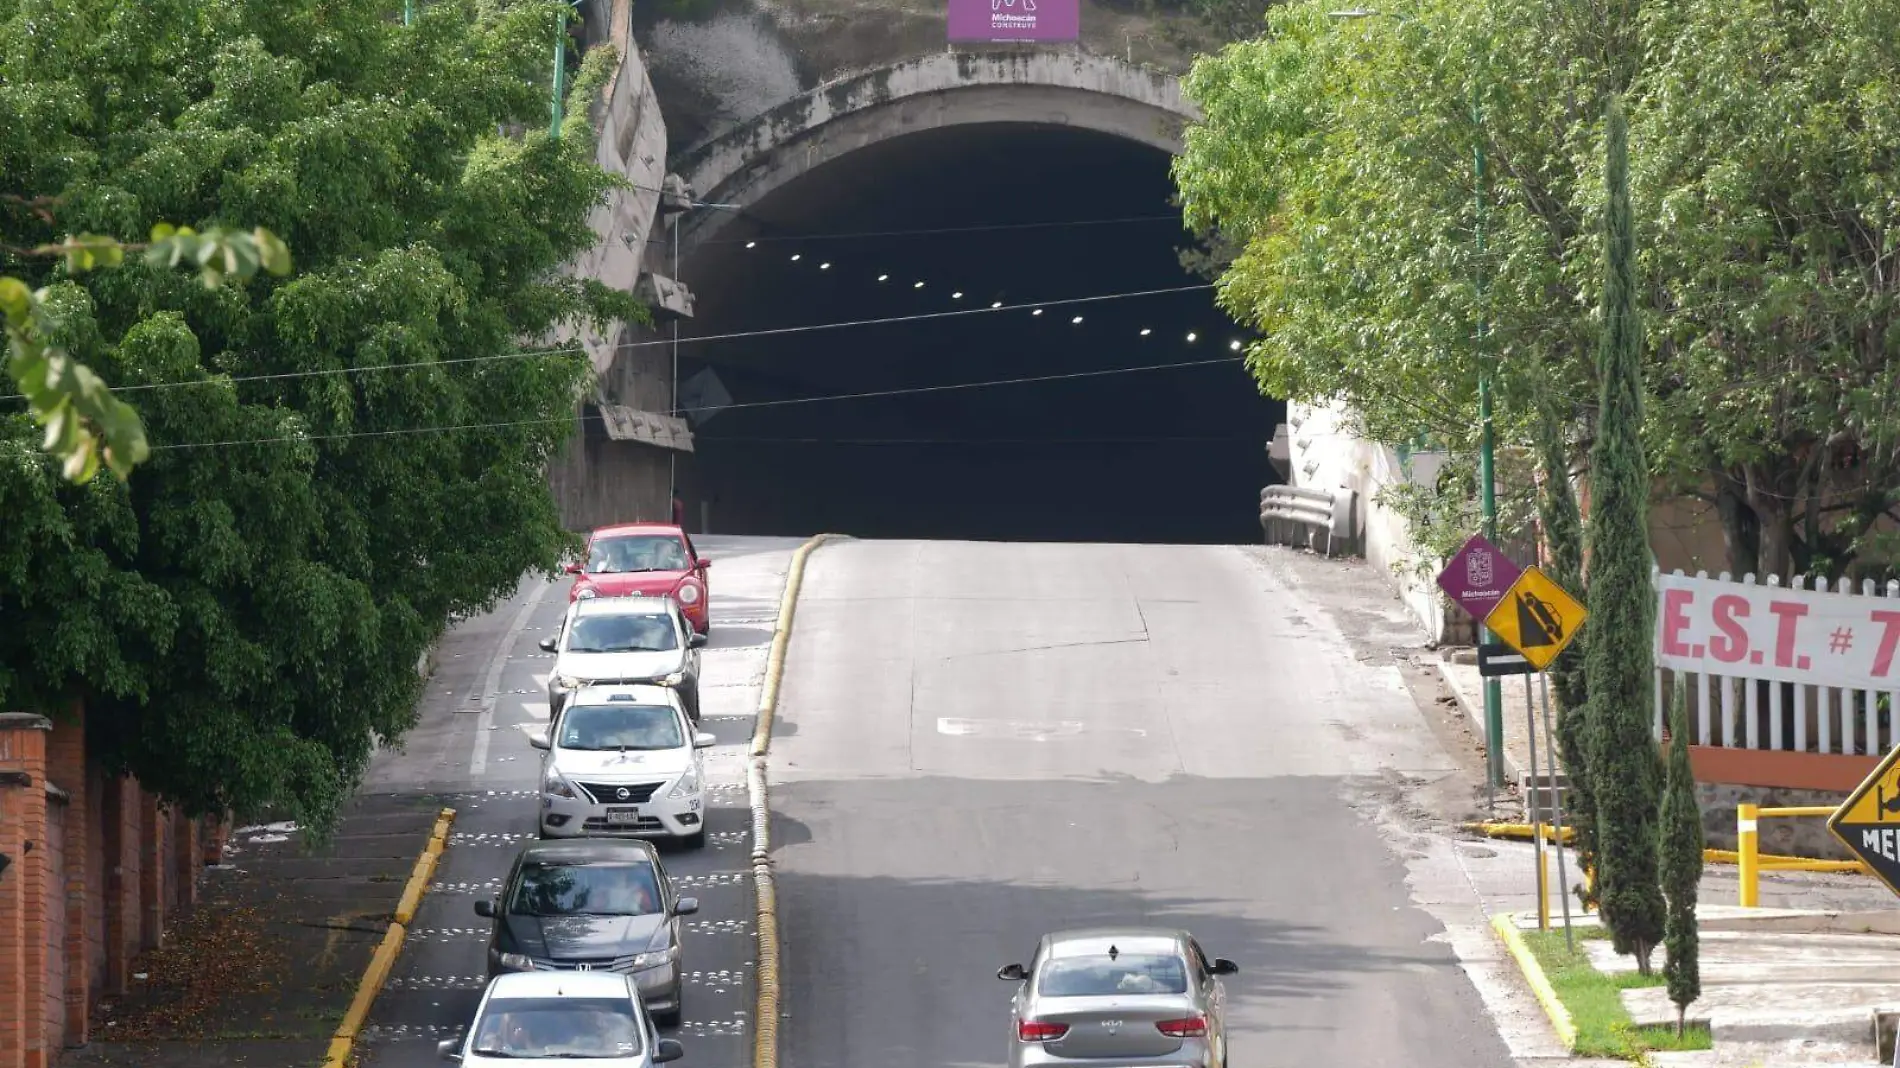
(1295, 514)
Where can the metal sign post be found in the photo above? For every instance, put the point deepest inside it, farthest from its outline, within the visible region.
(1531, 806)
(1556, 808)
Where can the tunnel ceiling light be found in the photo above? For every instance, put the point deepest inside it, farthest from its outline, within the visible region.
(1235, 345)
(1191, 335)
(1077, 319)
(883, 277)
(1146, 331)
(796, 256)
(996, 304)
(752, 244)
(824, 266)
(1038, 311)
(958, 295)
(919, 285)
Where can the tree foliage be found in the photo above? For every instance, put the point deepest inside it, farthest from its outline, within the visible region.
(1681, 862)
(341, 461)
(1338, 153)
(1625, 773)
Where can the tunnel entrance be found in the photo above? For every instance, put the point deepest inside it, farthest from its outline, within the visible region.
(1140, 425)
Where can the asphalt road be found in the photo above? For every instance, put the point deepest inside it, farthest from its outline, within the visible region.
(981, 742)
(469, 751)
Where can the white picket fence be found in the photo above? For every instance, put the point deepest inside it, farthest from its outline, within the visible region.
(1817, 684)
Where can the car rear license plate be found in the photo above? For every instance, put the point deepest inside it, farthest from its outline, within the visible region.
(622, 816)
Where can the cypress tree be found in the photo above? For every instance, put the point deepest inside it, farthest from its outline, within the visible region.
(1625, 768)
(1681, 863)
(1563, 529)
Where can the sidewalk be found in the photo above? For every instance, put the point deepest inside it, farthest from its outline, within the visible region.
(1795, 982)
(261, 970)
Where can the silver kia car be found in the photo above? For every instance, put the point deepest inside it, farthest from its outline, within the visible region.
(1131, 997)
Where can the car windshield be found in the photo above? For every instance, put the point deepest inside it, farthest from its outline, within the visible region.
(622, 634)
(1104, 976)
(558, 1027)
(585, 890)
(636, 552)
(600, 728)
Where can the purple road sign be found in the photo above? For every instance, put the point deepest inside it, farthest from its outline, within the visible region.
(1478, 576)
(1015, 20)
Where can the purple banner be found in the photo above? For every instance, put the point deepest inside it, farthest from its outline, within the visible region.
(1015, 20)
(1477, 577)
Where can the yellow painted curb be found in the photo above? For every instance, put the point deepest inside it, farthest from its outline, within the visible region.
(765, 890)
(383, 961)
(1505, 924)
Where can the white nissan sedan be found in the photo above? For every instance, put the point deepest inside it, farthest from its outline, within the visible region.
(623, 762)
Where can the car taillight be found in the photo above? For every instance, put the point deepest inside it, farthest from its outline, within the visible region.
(1190, 1027)
(1038, 1031)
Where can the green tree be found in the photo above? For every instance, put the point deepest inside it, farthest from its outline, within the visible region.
(1624, 767)
(342, 461)
(1681, 863)
(1563, 530)
(85, 425)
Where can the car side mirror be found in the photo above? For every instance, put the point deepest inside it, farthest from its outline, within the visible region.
(686, 906)
(667, 1049)
(1223, 966)
(485, 909)
(704, 563)
(705, 740)
(449, 1049)
(696, 641)
(1012, 972)
(573, 568)
(539, 739)
(547, 644)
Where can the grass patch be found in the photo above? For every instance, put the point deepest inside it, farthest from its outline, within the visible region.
(1595, 1001)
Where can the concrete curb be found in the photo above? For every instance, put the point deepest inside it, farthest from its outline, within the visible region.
(765, 889)
(343, 1044)
(1475, 713)
(1505, 924)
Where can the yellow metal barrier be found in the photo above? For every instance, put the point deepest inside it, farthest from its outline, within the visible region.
(1750, 860)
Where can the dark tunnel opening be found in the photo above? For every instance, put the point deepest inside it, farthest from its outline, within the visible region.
(923, 434)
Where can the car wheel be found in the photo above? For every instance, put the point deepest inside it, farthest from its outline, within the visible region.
(672, 1019)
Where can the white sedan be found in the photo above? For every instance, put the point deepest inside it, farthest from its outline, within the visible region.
(623, 762)
(537, 1017)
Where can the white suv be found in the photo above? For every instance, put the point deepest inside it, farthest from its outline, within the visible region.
(623, 762)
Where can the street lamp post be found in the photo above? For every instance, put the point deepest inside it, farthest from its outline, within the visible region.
(1487, 444)
(560, 71)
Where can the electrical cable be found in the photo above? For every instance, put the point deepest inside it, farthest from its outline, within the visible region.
(777, 403)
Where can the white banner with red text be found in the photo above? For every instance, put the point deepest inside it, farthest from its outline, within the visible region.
(1719, 626)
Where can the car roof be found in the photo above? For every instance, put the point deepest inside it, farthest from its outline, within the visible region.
(632, 693)
(575, 984)
(591, 850)
(621, 606)
(1095, 941)
(635, 528)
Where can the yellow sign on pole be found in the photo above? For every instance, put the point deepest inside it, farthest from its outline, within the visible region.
(1536, 617)
(1868, 822)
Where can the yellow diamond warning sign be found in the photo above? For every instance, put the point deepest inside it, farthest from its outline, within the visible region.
(1868, 822)
(1536, 617)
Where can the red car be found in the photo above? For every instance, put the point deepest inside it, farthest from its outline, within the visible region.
(645, 559)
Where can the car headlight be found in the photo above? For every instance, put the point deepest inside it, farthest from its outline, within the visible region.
(654, 958)
(689, 593)
(688, 784)
(553, 784)
(673, 678)
(585, 592)
(516, 962)
(568, 682)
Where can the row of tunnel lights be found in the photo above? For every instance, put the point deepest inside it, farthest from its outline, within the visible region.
(1192, 336)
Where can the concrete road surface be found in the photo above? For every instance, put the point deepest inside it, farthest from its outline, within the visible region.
(983, 742)
(470, 751)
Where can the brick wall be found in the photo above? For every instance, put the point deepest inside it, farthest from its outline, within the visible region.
(98, 867)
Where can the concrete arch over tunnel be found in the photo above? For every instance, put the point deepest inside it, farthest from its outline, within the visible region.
(1070, 89)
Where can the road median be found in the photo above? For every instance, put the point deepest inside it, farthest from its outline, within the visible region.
(765, 891)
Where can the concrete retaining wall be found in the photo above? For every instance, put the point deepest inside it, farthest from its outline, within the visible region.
(1797, 836)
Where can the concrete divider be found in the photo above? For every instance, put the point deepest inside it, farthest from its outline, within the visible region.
(765, 890)
(383, 961)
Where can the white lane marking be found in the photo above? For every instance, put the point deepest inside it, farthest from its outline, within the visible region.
(1035, 732)
(478, 760)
